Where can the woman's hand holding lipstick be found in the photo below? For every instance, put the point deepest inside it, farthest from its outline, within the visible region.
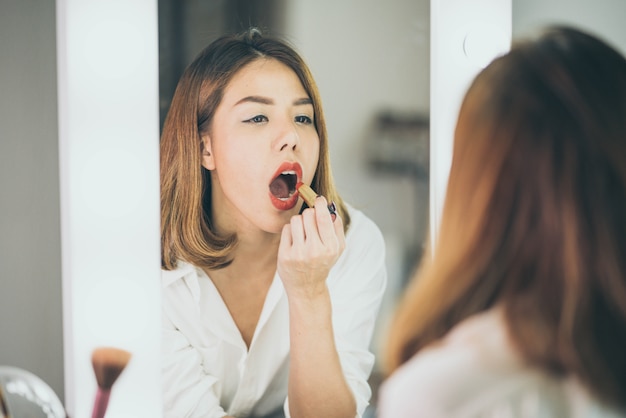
(310, 245)
(309, 196)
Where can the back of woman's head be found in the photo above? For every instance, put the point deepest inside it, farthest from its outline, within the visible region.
(535, 213)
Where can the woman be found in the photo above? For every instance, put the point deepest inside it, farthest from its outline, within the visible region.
(522, 310)
(269, 306)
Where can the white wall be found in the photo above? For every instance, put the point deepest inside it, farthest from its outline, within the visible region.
(604, 18)
(366, 56)
(30, 249)
(465, 37)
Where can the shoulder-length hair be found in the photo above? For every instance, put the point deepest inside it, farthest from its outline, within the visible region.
(535, 214)
(186, 225)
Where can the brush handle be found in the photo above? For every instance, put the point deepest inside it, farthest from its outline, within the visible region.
(101, 403)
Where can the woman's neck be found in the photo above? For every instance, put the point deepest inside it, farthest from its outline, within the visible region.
(254, 257)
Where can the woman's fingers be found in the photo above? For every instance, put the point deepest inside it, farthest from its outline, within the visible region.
(286, 240)
(298, 233)
(324, 223)
(314, 232)
(310, 245)
(338, 226)
(310, 227)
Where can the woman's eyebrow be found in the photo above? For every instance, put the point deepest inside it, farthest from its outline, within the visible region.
(303, 101)
(268, 101)
(256, 99)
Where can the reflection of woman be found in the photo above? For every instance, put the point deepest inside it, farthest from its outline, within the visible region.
(263, 298)
(522, 310)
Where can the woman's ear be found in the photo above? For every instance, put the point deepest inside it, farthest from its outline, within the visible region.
(208, 161)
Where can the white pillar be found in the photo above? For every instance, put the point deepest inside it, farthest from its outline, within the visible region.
(107, 58)
(465, 36)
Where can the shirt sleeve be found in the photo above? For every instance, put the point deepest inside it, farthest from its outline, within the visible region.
(188, 392)
(357, 286)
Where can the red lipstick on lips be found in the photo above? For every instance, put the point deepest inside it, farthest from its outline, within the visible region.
(282, 187)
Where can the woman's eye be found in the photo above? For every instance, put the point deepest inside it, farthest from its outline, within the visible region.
(257, 119)
(304, 119)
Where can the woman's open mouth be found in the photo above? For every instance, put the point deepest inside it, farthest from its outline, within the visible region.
(284, 186)
(283, 193)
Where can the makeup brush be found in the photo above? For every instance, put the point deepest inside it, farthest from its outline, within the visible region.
(309, 195)
(3, 408)
(108, 363)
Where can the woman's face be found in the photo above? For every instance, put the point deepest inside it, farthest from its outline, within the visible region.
(261, 142)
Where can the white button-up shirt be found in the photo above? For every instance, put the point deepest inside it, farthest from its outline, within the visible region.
(476, 372)
(209, 372)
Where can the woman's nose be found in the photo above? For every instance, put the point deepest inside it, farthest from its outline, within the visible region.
(287, 137)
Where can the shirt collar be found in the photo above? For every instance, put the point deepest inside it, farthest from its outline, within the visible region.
(170, 276)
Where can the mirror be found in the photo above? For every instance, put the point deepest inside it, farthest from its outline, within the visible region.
(371, 63)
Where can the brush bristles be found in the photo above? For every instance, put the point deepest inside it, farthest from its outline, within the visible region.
(108, 363)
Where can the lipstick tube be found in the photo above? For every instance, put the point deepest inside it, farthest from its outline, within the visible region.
(309, 195)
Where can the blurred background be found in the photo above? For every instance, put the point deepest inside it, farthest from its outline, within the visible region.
(371, 62)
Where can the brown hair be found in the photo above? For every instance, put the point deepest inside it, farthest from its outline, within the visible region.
(535, 214)
(186, 230)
